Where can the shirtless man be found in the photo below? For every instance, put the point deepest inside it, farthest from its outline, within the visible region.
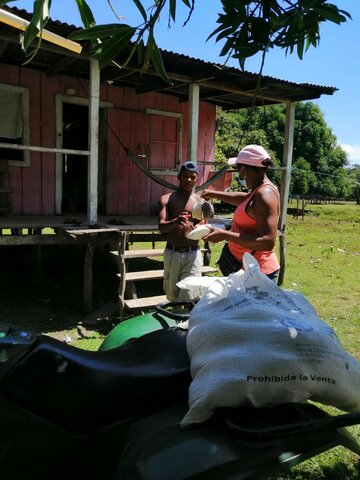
(182, 257)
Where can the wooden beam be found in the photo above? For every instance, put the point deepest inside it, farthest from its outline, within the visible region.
(287, 162)
(93, 165)
(32, 148)
(194, 92)
(285, 183)
(21, 24)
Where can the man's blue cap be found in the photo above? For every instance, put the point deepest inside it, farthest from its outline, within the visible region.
(190, 167)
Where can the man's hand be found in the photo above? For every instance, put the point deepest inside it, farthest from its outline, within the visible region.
(183, 218)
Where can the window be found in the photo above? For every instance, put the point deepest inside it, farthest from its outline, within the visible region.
(165, 139)
(14, 123)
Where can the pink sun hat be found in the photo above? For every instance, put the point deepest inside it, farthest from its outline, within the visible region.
(253, 155)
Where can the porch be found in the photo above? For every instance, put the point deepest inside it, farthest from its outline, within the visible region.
(113, 233)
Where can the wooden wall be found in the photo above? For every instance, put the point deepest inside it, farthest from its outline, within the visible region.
(128, 190)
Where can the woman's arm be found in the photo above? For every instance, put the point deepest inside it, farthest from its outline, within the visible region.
(233, 198)
(265, 209)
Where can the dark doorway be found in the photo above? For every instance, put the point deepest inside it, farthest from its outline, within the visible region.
(75, 167)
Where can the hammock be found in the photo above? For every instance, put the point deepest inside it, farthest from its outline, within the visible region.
(167, 184)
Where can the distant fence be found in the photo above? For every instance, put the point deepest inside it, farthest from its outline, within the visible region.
(316, 199)
(302, 201)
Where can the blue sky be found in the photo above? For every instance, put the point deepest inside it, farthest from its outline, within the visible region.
(335, 63)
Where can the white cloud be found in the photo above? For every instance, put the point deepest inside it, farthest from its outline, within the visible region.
(353, 153)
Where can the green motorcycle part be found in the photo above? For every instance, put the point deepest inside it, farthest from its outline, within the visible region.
(166, 315)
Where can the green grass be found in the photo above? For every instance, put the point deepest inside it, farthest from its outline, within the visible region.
(323, 262)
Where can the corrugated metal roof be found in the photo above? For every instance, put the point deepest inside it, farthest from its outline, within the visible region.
(225, 86)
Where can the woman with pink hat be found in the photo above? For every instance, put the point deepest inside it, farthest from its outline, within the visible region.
(254, 227)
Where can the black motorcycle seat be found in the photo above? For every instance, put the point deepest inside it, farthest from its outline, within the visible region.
(81, 390)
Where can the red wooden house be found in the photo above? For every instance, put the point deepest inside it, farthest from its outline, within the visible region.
(84, 145)
(162, 125)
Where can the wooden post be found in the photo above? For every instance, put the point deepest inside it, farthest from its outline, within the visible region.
(285, 183)
(193, 133)
(122, 273)
(207, 254)
(88, 274)
(93, 141)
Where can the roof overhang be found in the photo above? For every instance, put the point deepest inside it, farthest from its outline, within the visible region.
(228, 87)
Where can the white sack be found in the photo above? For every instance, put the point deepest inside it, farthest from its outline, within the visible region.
(197, 286)
(252, 343)
(198, 232)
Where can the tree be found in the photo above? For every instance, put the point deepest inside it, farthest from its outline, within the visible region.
(303, 180)
(353, 175)
(235, 130)
(318, 162)
(244, 28)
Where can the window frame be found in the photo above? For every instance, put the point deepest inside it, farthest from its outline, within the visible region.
(26, 122)
(179, 117)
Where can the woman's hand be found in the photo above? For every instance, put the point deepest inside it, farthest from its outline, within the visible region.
(216, 235)
(207, 194)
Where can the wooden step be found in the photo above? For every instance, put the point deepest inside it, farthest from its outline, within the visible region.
(152, 252)
(146, 302)
(156, 274)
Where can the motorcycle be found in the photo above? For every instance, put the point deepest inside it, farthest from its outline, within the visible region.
(67, 413)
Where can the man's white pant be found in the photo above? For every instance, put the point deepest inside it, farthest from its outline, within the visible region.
(177, 266)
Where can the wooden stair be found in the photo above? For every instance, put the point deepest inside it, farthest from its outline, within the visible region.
(158, 274)
(153, 252)
(127, 280)
(146, 302)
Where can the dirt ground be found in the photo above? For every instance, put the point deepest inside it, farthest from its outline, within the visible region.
(50, 300)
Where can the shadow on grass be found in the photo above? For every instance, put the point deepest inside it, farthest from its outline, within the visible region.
(51, 299)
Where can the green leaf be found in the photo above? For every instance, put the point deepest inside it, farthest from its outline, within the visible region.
(260, 31)
(226, 33)
(172, 9)
(218, 30)
(300, 48)
(227, 46)
(157, 61)
(38, 21)
(147, 54)
(100, 31)
(246, 51)
(86, 14)
(112, 47)
(141, 9)
(187, 3)
(331, 13)
(141, 52)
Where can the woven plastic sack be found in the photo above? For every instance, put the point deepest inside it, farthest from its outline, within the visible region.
(197, 286)
(252, 343)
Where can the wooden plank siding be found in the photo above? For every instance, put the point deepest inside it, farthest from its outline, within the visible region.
(128, 191)
(10, 75)
(49, 87)
(31, 176)
(139, 187)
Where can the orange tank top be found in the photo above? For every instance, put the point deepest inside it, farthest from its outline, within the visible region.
(243, 223)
